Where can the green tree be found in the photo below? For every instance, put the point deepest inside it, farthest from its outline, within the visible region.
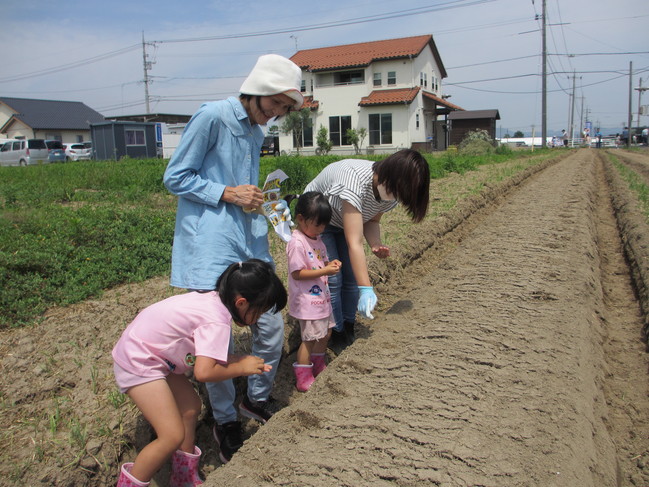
(362, 133)
(294, 123)
(518, 134)
(323, 142)
(273, 131)
(352, 138)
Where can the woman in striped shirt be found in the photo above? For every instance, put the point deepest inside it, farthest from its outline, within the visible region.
(360, 192)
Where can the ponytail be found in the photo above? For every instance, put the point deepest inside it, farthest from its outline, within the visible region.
(254, 280)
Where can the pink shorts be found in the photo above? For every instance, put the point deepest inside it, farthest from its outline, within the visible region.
(313, 330)
(125, 379)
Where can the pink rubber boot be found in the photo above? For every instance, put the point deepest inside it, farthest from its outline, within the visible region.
(127, 480)
(303, 376)
(319, 363)
(184, 468)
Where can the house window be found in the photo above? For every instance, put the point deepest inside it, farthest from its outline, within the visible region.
(377, 79)
(349, 77)
(380, 128)
(338, 129)
(307, 135)
(303, 86)
(134, 137)
(392, 78)
(423, 79)
(417, 120)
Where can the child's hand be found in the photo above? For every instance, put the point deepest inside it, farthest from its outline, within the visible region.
(381, 251)
(251, 365)
(332, 267)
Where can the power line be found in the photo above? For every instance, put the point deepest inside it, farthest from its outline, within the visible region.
(76, 64)
(627, 53)
(494, 61)
(358, 20)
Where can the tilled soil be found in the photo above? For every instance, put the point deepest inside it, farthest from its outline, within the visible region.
(517, 359)
(511, 353)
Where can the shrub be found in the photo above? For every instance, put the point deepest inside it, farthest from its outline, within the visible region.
(476, 143)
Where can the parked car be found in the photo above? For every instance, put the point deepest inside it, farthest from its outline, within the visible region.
(88, 145)
(270, 146)
(55, 151)
(21, 152)
(76, 152)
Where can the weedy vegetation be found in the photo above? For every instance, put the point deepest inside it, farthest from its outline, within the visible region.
(69, 231)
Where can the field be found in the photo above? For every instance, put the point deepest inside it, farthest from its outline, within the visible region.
(508, 350)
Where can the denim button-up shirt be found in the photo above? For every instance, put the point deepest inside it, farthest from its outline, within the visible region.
(218, 148)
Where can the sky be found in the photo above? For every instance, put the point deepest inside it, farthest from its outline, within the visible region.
(201, 50)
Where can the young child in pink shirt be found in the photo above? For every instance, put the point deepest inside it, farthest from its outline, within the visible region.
(308, 289)
(185, 333)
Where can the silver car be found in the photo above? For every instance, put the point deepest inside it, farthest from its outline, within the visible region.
(23, 152)
(76, 152)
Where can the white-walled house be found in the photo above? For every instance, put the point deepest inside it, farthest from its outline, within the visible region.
(392, 88)
(67, 121)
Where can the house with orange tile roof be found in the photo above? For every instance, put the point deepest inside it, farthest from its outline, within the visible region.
(392, 88)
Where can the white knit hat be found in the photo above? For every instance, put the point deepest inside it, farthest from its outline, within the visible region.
(274, 74)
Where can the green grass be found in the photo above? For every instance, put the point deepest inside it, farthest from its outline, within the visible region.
(69, 231)
(635, 182)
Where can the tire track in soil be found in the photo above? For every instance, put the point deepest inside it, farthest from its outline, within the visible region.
(515, 360)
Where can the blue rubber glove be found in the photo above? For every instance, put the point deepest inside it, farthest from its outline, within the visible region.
(281, 207)
(366, 301)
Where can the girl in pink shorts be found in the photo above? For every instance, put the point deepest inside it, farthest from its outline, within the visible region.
(308, 289)
(182, 334)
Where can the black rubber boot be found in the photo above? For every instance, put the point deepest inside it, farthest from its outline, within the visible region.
(350, 334)
(338, 341)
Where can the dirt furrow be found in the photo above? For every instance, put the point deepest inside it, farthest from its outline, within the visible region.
(491, 370)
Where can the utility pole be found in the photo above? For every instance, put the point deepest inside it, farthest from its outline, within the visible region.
(581, 117)
(630, 129)
(571, 128)
(639, 88)
(544, 89)
(147, 66)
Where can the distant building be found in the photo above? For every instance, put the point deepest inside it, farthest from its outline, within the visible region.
(167, 118)
(67, 121)
(463, 122)
(115, 140)
(392, 88)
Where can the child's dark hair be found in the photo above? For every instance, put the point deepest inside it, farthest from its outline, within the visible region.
(314, 206)
(254, 280)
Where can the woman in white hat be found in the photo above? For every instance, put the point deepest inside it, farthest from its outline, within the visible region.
(215, 172)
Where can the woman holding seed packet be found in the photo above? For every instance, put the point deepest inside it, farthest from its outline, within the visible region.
(215, 173)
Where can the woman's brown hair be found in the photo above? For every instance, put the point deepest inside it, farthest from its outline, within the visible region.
(406, 175)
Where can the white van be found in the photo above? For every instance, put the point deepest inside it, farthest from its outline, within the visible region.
(23, 152)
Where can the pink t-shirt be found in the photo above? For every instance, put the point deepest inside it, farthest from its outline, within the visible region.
(307, 299)
(174, 331)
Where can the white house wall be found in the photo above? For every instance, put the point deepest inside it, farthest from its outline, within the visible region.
(343, 100)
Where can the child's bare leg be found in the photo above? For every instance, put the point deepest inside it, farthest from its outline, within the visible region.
(320, 346)
(189, 405)
(158, 406)
(304, 353)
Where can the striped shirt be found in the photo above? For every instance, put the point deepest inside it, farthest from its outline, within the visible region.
(349, 180)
